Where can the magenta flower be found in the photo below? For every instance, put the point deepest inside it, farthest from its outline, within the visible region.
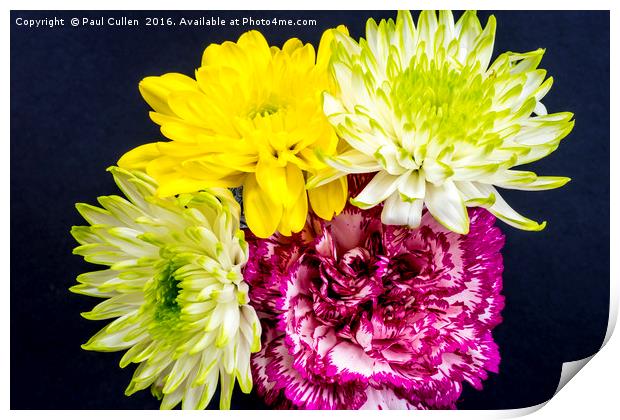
(357, 314)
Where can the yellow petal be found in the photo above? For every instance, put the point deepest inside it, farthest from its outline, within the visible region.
(192, 107)
(329, 199)
(156, 90)
(261, 214)
(162, 166)
(295, 185)
(304, 57)
(293, 200)
(256, 47)
(295, 209)
(324, 52)
(291, 45)
(179, 131)
(294, 217)
(139, 157)
(230, 162)
(216, 54)
(272, 178)
(204, 169)
(179, 183)
(179, 149)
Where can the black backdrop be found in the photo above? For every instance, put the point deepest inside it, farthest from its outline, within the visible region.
(75, 108)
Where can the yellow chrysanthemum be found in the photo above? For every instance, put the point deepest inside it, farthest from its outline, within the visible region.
(253, 118)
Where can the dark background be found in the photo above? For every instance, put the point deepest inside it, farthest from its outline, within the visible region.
(75, 109)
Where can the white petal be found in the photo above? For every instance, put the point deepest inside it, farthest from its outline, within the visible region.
(325, 176)
(414, 186)
(182, 368)
(242, 365)
(503, 211)
(543, 89)
(134, 185)
(533, 80)
(484, 48)
(114, 341)
(446, 19)
(540, 109)
(365, 139)
(508, 178)
(172, 399)
(388, 157)
(193, 397)
(544, 134)
(378, 189)
(407, 36)
(332, 106)
(467, 30)
(230, 324)
(227, 385)
(436, 171)
(447, 207)
(474, 172)
(427, 27)
(353, 162)
(399, 212)
(473, 197)
(541, 183)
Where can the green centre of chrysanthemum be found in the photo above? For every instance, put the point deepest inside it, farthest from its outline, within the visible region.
(164, 297)
(454, 104)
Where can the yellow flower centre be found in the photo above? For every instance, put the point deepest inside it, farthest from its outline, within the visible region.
(264, 110)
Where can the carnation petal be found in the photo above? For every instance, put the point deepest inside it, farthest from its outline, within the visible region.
(385, 399)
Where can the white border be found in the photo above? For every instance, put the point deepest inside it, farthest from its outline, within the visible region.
(594, 394)
(310, 5)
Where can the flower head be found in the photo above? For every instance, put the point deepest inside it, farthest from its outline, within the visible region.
(358, 314)
(175, 287)
(421, 108)
(252, 118)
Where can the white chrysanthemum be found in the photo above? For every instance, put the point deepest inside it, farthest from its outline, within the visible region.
(174, 285)
(422, 108)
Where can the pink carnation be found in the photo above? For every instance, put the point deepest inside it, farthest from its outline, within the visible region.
(357, 314)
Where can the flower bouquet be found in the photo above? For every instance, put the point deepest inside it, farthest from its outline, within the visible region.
(320, 224)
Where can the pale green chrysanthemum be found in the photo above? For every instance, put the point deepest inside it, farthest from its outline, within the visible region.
(422, 108)
(174, 285)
